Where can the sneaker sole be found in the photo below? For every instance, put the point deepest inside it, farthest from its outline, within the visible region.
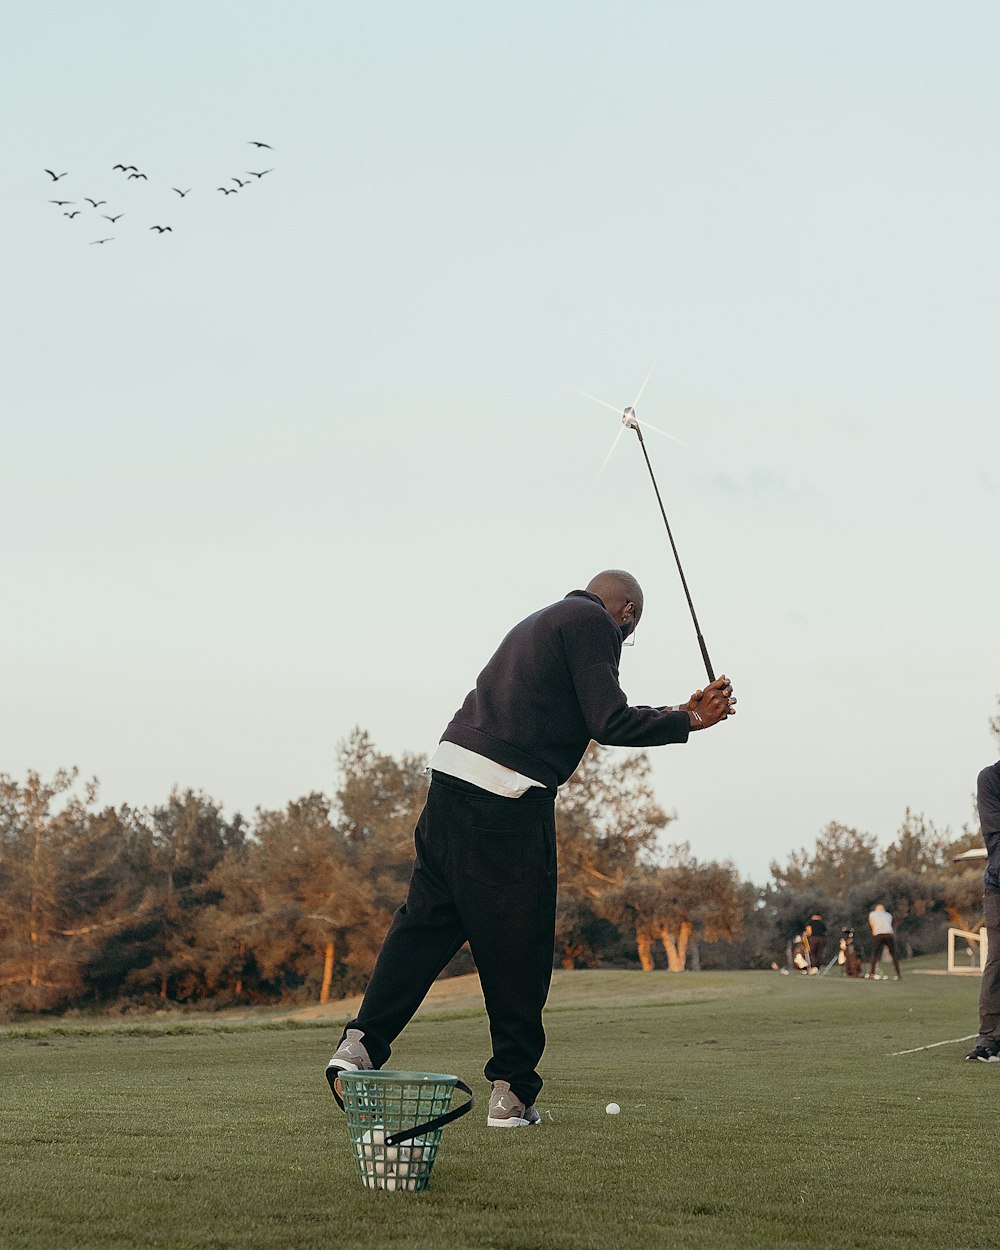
(513, 1121)
(333, 1070)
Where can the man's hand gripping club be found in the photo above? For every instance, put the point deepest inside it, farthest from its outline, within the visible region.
(713, 704)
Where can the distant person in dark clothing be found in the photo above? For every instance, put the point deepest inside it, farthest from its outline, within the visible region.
(883, 937)
(987, 1047)
(485, 868)
(816, 933)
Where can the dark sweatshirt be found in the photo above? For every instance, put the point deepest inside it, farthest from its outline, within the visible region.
(551, 687)
(988, 799)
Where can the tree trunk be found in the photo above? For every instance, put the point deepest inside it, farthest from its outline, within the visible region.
(695, 955)
(570, 952)
(324, 989)
(683, 936)
(168, 911)
(644, 945)
(36, 907)
(676, 951)
(674, 962)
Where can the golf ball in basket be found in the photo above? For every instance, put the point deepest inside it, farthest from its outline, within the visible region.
(612, 1108)
(392, 1167)
(371, 1153)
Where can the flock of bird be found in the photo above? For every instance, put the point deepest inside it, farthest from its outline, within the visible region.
(131, 173)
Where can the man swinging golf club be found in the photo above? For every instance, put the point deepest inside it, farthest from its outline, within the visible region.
(485, 866)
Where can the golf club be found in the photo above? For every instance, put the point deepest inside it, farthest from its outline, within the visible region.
(631, 422)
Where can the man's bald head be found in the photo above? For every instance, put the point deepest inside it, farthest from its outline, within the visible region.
(621, 594)
(616, 583)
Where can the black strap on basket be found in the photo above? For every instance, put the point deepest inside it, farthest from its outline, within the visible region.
(439, 1121)
(405, 1134)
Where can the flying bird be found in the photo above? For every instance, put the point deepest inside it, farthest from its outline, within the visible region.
(142, 176)
(74, 213)
(56, 177)
(96, 203)
(228, 190)
(62, 202)
(111, 219)
(180, 192)
(123, 168)
(257, 144)
(240, 184)
(261, 174)
(162, 228)
(93, 241)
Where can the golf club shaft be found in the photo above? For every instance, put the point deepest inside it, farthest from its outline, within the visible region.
(673, 546)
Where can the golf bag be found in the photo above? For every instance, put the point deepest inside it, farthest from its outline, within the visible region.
(847, 957)
(800, 954)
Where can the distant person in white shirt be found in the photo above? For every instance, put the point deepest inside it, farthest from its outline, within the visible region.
(883, 938)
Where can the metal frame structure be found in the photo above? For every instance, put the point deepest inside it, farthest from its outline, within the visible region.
(970, 937)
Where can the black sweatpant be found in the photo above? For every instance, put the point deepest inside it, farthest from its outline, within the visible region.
(989, 989)
(485, 872)
(887, 941)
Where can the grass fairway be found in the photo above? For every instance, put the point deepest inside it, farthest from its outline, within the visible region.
(757, 1111)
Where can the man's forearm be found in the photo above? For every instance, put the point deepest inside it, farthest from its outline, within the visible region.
(612, 721)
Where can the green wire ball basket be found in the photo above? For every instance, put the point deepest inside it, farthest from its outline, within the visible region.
(395, 1121)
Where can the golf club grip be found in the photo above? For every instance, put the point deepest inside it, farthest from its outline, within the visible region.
(439, 1121)
(704, 656)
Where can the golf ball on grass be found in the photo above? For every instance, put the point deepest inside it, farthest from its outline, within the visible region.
(612, 1108)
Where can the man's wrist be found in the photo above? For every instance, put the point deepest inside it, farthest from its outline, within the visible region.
(695, 718)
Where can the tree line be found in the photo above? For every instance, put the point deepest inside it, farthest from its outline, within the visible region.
(180, 904)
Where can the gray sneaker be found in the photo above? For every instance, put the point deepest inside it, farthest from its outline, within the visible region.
(350, 1056)
(507, 1110)
(986, 1053)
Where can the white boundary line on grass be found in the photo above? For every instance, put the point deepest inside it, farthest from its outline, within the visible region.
(950, 1042)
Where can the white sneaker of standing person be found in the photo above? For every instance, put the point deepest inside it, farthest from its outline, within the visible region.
(350, 1056)
(507, 1110)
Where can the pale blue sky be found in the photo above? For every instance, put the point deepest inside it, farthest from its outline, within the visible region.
(299, 464)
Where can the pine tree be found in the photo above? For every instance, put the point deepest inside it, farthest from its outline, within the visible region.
(66, 889)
